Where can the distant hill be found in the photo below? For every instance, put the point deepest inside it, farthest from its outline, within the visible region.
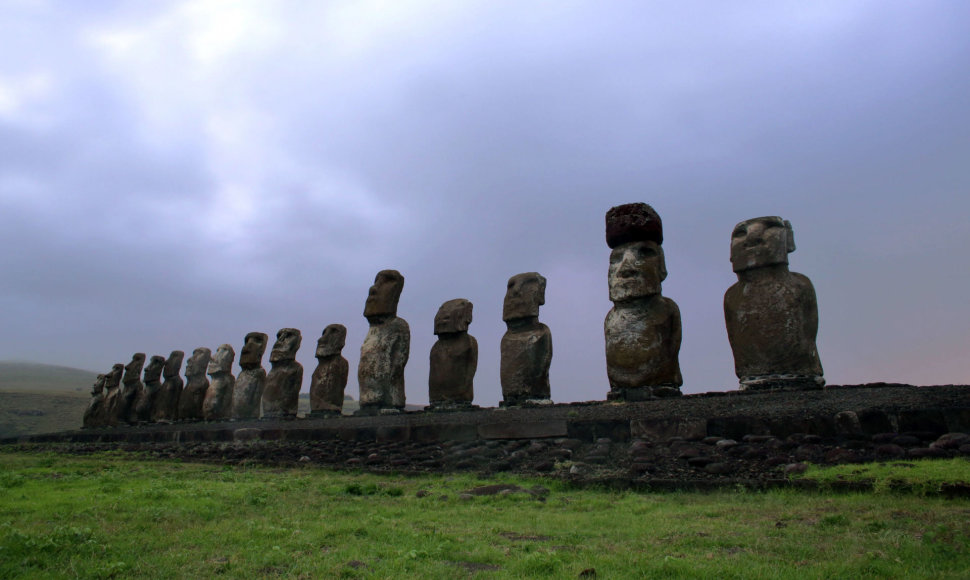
(39, 398)
(29, 377)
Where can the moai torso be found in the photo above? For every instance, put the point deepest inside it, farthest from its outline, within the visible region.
(112, 396)
(150, 390)
(454, 357)
(94, 415)
(218, 397)
(526, 347)
(248, 391)
(196, 385)
(131, 389)
(385, 351)
(281, 396)
(771, 313)
(330, 377)
(165, 408)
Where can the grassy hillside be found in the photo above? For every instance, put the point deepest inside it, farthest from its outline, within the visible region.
(28, 377)
(39, 398)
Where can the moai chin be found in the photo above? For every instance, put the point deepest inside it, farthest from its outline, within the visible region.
(150, 390)
(771, 313)
(218, 397)
(248, 391)
(281, 396)
(94, 415)
(380, 373)
(643, 329)
(113, 394)
(527, 343)
(330, 377)
(196, 385)
(165, 409)
(454, 358)
(131, 389)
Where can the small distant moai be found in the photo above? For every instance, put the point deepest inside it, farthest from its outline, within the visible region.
(330, 377)
(527, 344)
(386, 348)
(131, 388)
(771, 312)
(166, 407)
(454, 358)
(196, 385)
(112, 397)
(642, 330)
(248, 391)
(281, 397)
(218, 397)
(94, 415)
(151, 388)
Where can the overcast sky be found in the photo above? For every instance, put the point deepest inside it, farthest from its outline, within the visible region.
(177, 174)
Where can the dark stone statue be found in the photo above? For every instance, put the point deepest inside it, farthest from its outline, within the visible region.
(281, 397)
(218, 398)
(131, 388)
(95, 415)
(165, 409)
(248, 392)
(642, 330)
(527, 344)
(330, 377)
(386, 348)
(196, 385)
(150, 389)
(112, 397)
(454, 358)
(771, 312)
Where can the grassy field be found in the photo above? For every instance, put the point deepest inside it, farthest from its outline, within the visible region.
(112, 515)
(39, 398)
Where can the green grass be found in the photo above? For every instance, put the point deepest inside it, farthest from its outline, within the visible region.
(920, 477)
(111, 515)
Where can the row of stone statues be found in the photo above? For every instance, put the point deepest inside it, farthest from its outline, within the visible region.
(771, 316)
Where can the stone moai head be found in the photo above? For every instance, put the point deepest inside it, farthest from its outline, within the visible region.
(197, 363)
(454, 316)
(637, 267)
(251, 356)
(383, 296)
(98, 387)
(525, 294)
(287, 343)
(133, 370)
(174, 364)
(332, 341)
(760, 242)
(221, 361)
(153, 370)
(113, 378)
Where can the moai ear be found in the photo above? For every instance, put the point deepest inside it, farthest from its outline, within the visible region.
(663, 263)
(791, 237)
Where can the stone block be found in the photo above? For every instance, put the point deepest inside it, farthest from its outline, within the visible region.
(535, 430)
(615, 430)
(663, 429)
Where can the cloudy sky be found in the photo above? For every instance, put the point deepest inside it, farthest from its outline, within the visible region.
(177, 174)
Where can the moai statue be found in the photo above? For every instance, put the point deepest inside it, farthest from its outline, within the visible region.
(771, 313)
(166, 407)
(218, 398)
(112, 394)
(454, 358)
(131, 388)
(281, 397)
(150, 390)
(94, 415)
(196, 385)
(330, 377)
(386, 348)
(642, 330)
(248, 391)
(527, 344)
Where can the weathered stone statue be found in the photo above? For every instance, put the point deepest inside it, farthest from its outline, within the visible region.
(95, 415)
(386, 348)
(642, 330)
(330, 377)
(218, 398)
(281, 397)
(113, 394)
(151, 388)
(131, 388)
(196, 385)
(454, 358)
(248, 391)
(527, 344)
(771, 313)
(166, 407)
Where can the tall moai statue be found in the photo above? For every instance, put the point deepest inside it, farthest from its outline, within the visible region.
(218, 397)
(329, 379)
(112, 395)
(131, 388)
(196, 385)
(642, 330)
(151, 388)
(166, 407)
(771, 312)
(281, 397)
(380, 373)
(94, 415)
(454, 358)
(527, 343)
(248, 391)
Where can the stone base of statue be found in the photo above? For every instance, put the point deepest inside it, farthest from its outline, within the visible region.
(450, 407)
(634, 394)
(324, 414)
(525, 402)
(376, 410)
(782, 383)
